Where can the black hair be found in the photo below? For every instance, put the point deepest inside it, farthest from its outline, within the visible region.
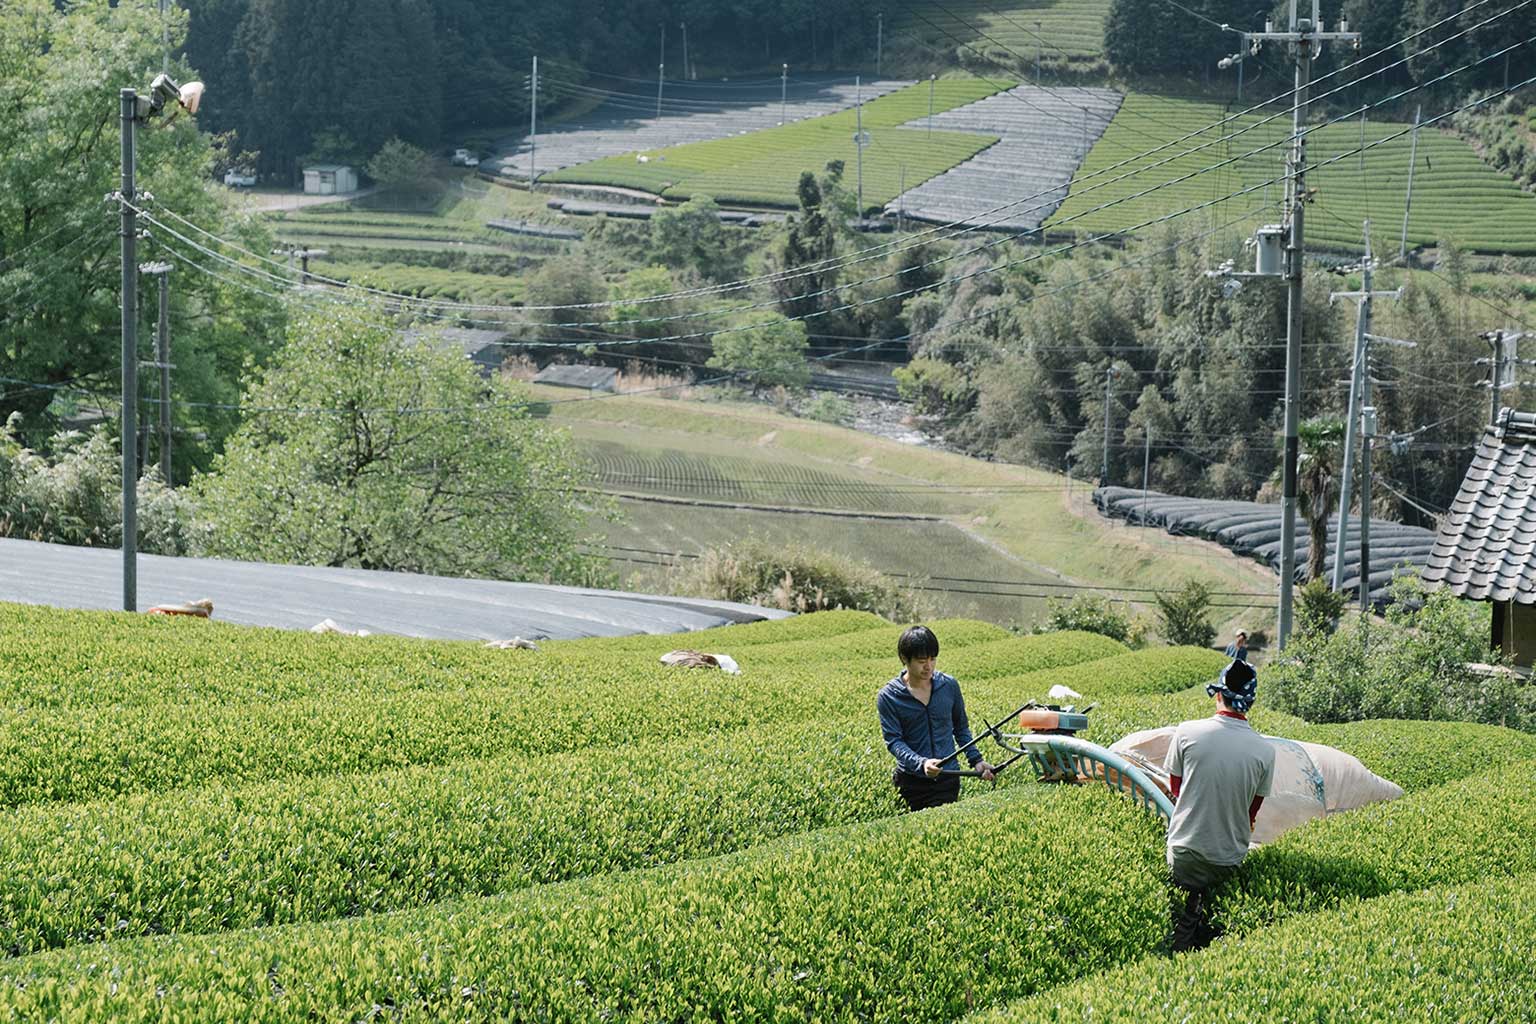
(917, 642)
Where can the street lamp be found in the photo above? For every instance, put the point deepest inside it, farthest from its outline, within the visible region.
(134, 111)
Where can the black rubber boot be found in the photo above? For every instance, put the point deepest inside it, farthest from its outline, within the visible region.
(1190, 930)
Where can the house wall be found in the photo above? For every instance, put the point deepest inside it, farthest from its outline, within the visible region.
(1514, 631)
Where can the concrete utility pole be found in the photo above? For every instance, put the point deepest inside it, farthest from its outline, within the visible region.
(304, 254)
(1358, 389)
(129, 103)
(1146, 466)
(784, 95)
(661, 74)
(162, 362)
(1413, 160)
(931, 80)
(858, 142)
(533, 128)
(1109, 375)
(879, 43)
(1501, 366)
(1306, 36)
(1039, 51)
(686, 73)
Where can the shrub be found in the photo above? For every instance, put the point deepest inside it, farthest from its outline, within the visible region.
(1318, 607)
(1092, 614)
(798, 578)
(1413, 666)
(829, 408)
(1184, 615)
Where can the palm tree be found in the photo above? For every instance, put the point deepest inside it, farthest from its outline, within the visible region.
(1319, 459)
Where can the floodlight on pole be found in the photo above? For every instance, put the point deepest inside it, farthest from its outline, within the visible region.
(134, 110)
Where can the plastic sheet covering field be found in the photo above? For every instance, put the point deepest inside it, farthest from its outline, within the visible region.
(1251, 528)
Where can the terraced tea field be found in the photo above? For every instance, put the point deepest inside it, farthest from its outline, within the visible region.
(1057, 32)
(1455, 195)
(207, 822)
(763, 167)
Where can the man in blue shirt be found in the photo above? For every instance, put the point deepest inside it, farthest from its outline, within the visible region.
(922, 716)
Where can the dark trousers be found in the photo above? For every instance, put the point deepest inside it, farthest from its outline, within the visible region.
(1193, 879)
(919, 791)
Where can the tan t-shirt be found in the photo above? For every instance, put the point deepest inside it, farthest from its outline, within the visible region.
(1224, 764)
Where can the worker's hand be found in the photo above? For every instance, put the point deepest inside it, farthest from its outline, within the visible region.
(931, 767)
(987, 774)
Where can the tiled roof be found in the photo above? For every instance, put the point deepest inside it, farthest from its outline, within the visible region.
(1486, 547)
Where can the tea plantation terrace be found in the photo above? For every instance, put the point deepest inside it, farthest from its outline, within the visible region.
(300, 596)
(690, 112)
(1043, 135)
(1253, 528)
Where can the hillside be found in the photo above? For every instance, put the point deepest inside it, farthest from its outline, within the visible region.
(356, 827)
(744, 464)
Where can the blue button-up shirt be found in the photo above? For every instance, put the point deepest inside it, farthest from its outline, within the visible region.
(915, 731)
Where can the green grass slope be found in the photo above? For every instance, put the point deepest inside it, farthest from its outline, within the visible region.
(1455, 195)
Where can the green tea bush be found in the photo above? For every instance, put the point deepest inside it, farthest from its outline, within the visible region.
(1463, 831)
(882, 921)
(92, 752)
(307, 850)
(1448, 954)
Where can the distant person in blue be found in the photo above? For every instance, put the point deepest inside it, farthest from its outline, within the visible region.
(922, 716)
(1237, 650)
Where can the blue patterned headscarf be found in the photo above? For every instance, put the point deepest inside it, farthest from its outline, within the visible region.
(1239, 684)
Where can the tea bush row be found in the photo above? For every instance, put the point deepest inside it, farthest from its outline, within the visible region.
(891, 920)
(308, 849)
(56, 658)
(1448, 954)
(93, 752)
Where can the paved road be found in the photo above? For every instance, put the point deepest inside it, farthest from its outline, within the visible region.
(298, 597)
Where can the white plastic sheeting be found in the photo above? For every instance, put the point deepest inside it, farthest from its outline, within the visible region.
(299, 596)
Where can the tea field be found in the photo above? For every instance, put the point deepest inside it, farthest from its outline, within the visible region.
(763, 167)
(1005, 33)
(209, 822)
(1455, 195)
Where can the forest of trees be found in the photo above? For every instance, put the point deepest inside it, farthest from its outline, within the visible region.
(298, 79)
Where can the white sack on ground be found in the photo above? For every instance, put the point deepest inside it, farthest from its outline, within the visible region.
(1311, 780)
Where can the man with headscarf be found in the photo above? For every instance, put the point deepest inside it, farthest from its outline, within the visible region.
(1219, 772)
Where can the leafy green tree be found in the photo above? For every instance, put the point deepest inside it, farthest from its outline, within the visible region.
(380, 453)
(769, 352)
(810, 241)
(61, 67)
(1185, 615)
(566, 281)
(403, 167)
(691, 237)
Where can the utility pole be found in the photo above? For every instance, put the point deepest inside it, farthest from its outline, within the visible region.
(1357, 392)
(162, 362)
(858, 143)
(1413, 159)
(1146, 466)
(687, 75)
(931, 80)
(533, 129)
(165, 46)
(661, 74)
(1501, 366)
(784, 95)
(1109, 375)
(879, 44)
(129, 101)
(901, 201)
(1039, 51)
(1306, 36)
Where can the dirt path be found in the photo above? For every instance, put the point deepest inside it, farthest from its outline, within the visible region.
(267, 201)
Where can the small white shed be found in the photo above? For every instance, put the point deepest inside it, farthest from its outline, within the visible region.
(329, 179)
